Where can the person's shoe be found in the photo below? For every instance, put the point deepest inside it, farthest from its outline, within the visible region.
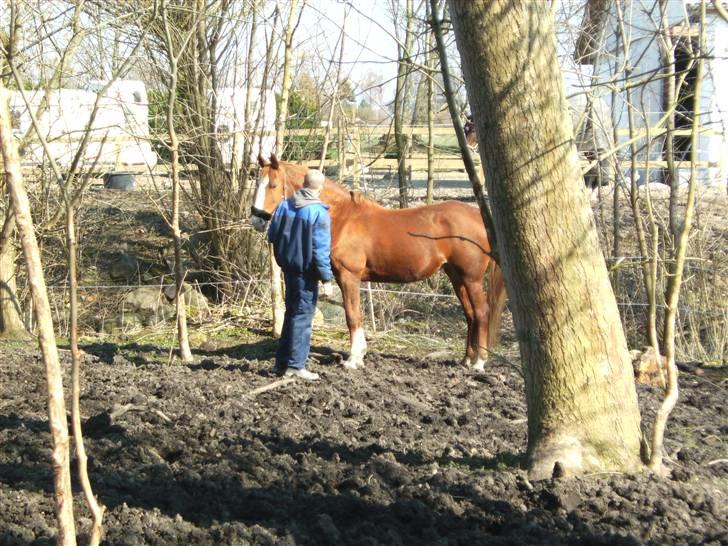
(277, 370)
(301, 373)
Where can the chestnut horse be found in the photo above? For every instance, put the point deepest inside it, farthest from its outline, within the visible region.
(373, 243)
(471, 137)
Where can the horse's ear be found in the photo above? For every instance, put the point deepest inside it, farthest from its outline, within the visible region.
(262, 162)
(274, 161)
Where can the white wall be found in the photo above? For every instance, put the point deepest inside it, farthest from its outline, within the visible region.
(641, 23)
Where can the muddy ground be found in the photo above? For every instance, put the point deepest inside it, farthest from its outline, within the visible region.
(412, 450)
(406, 451)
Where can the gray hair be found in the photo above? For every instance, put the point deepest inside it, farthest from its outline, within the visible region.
(314, 179)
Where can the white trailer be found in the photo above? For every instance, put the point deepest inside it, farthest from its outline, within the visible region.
(119, 134)
(233, 129)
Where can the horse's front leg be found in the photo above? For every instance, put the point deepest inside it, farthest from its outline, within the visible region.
(349, 285)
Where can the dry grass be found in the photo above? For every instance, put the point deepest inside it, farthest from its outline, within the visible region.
(703, 311)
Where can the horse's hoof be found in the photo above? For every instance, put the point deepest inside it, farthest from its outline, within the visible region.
(466, 362)
(351, 365)
(479, 366)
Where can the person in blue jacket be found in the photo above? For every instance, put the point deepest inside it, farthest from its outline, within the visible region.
(300, 231)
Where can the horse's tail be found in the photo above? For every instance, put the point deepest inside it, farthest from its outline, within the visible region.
(496, 301)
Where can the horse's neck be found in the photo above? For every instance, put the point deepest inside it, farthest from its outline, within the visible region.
(333, 194)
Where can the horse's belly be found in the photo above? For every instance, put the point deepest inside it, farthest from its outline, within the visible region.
(398, 278)
(401, 270)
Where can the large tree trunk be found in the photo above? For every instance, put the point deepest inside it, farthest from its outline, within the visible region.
(582, 402)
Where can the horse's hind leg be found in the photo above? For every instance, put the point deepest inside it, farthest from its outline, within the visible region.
(457, 283)
(349, 285)
(479, 338)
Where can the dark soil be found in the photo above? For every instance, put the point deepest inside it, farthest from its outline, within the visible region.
(405, 451)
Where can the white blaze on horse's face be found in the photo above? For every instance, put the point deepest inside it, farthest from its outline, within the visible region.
(259, 224)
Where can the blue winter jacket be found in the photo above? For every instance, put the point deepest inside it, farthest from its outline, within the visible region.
(300, 231)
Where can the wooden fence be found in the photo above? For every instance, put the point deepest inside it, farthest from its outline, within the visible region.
(368, 148)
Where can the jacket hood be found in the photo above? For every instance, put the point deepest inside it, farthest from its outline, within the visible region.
(305, 197)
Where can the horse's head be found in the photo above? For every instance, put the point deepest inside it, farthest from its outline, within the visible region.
(271, 189)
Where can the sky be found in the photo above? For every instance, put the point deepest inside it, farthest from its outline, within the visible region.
(370, 44)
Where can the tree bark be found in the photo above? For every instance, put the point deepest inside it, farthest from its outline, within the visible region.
(582, 401)
(11, 322)
(56, 403)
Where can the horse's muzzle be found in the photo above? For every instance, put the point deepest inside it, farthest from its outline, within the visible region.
(259, 218)
(260, 213)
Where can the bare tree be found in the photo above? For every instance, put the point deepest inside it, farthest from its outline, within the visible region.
(404, 62)
(11, 323)
(291, 24)
(430, 60)
(334, 98)
(176, 48)
(47, 340)
(659, 100)
(210, 63)
(71, 196)
(473, 174)
(681, 227)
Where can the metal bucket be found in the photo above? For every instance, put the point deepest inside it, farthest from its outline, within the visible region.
(122, 181)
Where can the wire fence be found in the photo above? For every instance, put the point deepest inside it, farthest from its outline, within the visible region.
(262, 287)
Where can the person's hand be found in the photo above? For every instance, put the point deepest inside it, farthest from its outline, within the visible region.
(327, 289)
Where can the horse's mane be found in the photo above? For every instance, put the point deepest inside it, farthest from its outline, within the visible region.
(331, 185)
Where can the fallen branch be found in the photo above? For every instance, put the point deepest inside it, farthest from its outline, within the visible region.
(270, 386)
(119, 410)
(161, 415)
(717, 461)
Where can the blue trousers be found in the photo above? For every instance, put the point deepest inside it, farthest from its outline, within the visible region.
(301, 298)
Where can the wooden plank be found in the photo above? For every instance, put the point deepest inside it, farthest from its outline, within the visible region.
(656, 132)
